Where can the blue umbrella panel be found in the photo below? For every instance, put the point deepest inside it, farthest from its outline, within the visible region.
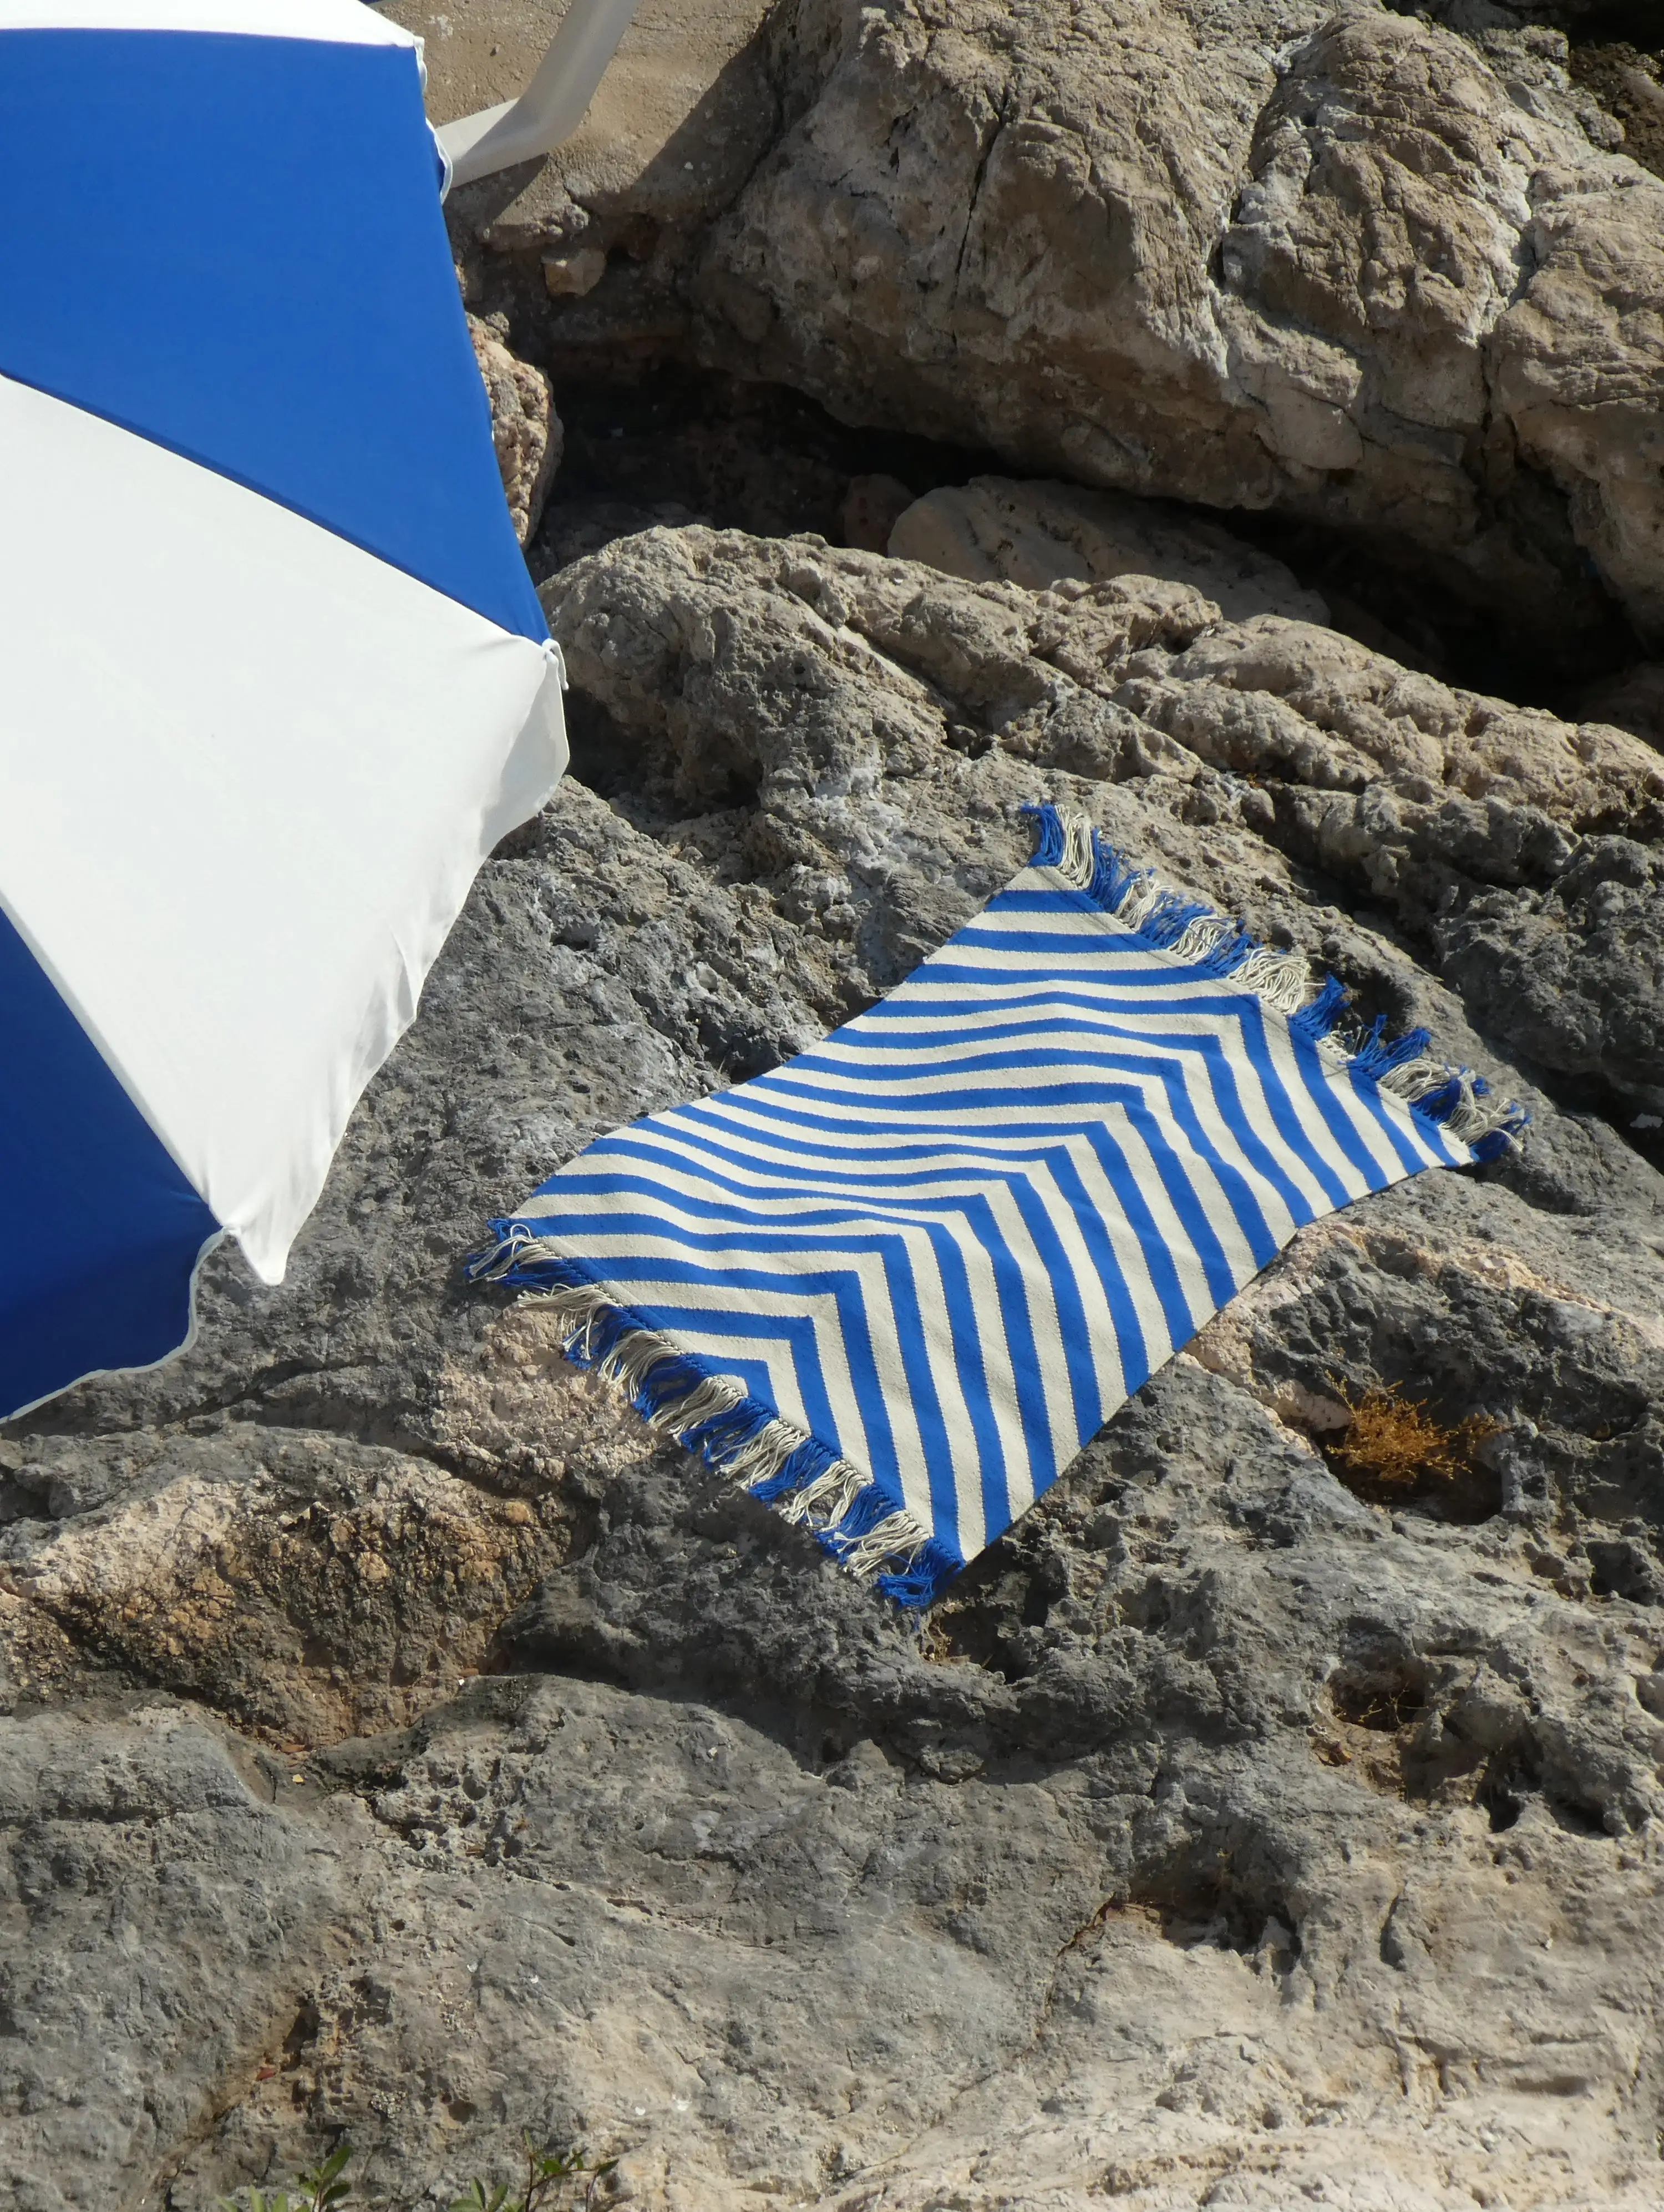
(273, 676)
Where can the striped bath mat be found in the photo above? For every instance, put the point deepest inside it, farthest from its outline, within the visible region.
(894, 1286)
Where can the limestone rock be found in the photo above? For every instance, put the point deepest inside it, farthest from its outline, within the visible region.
(1347, 264)
(1627, 83)
(573, 274)
(324, 1589)
(1038, 534)
(525, 427)
(791, 669)
(164, 1925)
(1580, 964)
(1227, 1835)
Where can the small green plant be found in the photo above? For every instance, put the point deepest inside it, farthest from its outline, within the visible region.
(553, 2178)
(323, 2189)
(555, 2181)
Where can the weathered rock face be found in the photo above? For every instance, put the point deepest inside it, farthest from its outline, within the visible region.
(1041, 534)
(525, 427)
(1628, 83)
(1344, 263)
(1502, 834)
(404, 1743)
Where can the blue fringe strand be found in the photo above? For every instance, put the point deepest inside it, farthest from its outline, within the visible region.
(1319, 1018)
(1375, 1057)
(1048, 835)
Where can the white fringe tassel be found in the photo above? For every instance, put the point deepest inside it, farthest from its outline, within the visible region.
(1289, 981)
(891, 1546)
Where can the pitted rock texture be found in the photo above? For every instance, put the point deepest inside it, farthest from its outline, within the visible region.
(1342, 262)
(1041, 534)
(1519, 850)
(525, 427)
(405, 1743)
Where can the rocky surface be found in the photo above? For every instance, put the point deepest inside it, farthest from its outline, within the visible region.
(1038, 534)
(402, 1743)
(1344, 262)
(525, 429)
(1391, 273)
(1514, 848)
(1628, 83)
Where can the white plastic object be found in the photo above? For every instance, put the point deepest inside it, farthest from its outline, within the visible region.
(552, 106)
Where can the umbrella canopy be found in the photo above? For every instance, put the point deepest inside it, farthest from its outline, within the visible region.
(273, 676)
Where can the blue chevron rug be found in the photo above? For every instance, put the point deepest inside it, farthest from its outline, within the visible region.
(895, 1286)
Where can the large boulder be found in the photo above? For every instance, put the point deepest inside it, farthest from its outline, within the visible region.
(1519, 852)
(1038, 534)
(1342, 262)
(409, 1745)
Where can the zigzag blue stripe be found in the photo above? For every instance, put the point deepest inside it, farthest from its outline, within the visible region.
(795, 1333)
(720, 1265)
(734, 1209)
(1176, 1078)
(843, 1286)
(1014, 1179)
(1130, 1191)
(1255, 1044)
(1285, 1121)
(1170, 1167)
(895, 1202)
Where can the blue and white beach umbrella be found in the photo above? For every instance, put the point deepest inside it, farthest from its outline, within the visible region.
(273, 677)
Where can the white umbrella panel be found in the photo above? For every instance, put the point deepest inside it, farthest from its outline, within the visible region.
(273, 677)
